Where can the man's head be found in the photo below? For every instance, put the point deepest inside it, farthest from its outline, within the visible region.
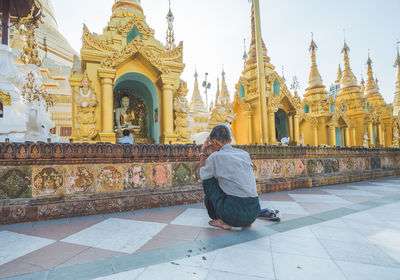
(220, 136)
(125, 132)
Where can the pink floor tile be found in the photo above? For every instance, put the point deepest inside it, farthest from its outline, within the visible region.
(164, 216)
(53, 254)
(16, 267)
(210, 232)
(310, 191)
(278, 197)
(180, 232)
(313, 208)
(91, 255)
(160, 242)
(59, 231)
(356, 199)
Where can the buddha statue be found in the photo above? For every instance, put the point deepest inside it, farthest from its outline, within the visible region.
(86, 102)
(124, 116)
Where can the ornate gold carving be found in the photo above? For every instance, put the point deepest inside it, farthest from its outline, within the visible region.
(86, 102)
(140, 24)
(35, 91)
(136, 46)
(175, 55)
(89, 41)
(5, 98)
(181, 109)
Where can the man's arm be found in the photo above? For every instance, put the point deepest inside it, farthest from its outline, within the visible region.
(203, 156)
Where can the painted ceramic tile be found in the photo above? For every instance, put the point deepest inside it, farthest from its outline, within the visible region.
(79, 179)
(15, 182)
(349, 164)
(195, 173)
(48, 181)
(181, 174)
(311, 166)
(342, 165)
(160, 175)
(108, 179)
(300, 166)
(319, 168)
(290, 168)
(277, 168)
(331, 165)
(264, 170)
(135, 177)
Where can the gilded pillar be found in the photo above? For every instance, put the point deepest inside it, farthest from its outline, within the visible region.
(370, 134)
(380, 130)
(353, 136)
(332, 136)
(107, 105)
(250, 125)
(167, 110)
(315, 133)
(296, 129)
(347, 136)
(272, 131)
(291, 128)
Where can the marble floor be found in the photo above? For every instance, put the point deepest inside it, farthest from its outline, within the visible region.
(349, 231)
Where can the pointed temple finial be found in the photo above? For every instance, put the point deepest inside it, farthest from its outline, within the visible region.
(245, 56)
(197, 105)
(224, 94)
(283, 74)
(170, 32)
(218, 92)
(371, 86)
(252, 50)
(315, 79)
(348, 78)
(339, 75)
(362, 83)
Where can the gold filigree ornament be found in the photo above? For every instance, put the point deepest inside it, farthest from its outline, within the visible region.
(27, 26)
(5, 98)
(34, 91)
(89, 41)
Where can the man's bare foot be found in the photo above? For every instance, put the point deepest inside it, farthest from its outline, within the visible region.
(220, 224)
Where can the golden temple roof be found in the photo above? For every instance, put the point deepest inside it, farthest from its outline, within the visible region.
(121, 5)
(348, 78)
(315, 79)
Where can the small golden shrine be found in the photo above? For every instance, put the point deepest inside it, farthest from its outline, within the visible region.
(128, 81)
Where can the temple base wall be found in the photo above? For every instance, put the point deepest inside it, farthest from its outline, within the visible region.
(51, 181)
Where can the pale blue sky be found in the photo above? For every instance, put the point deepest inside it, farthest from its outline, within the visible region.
(213, 32)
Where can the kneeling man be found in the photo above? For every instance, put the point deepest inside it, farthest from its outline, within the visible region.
(228, 181)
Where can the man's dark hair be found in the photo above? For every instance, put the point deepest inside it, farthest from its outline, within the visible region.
(125, 132)
(221, 133)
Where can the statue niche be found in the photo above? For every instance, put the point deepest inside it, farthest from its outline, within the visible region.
(130, 113)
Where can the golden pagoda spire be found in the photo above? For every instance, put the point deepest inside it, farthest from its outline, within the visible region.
(217, 94)
(224, 94)
(127, 5)
(348, 79)
(371, 87)
(362, 84)
(339, 75)
(197, 105)
(396, 102)
(252, 51)
(315, 79)
(245, 56)
(170, 32)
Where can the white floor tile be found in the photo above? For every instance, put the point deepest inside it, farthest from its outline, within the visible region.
(291, 267)
(14, 245)
(193, 217)
(119, 235)
(220, 275)
(352, 192)
(246, 262)
(285, 207)
(356, 271)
